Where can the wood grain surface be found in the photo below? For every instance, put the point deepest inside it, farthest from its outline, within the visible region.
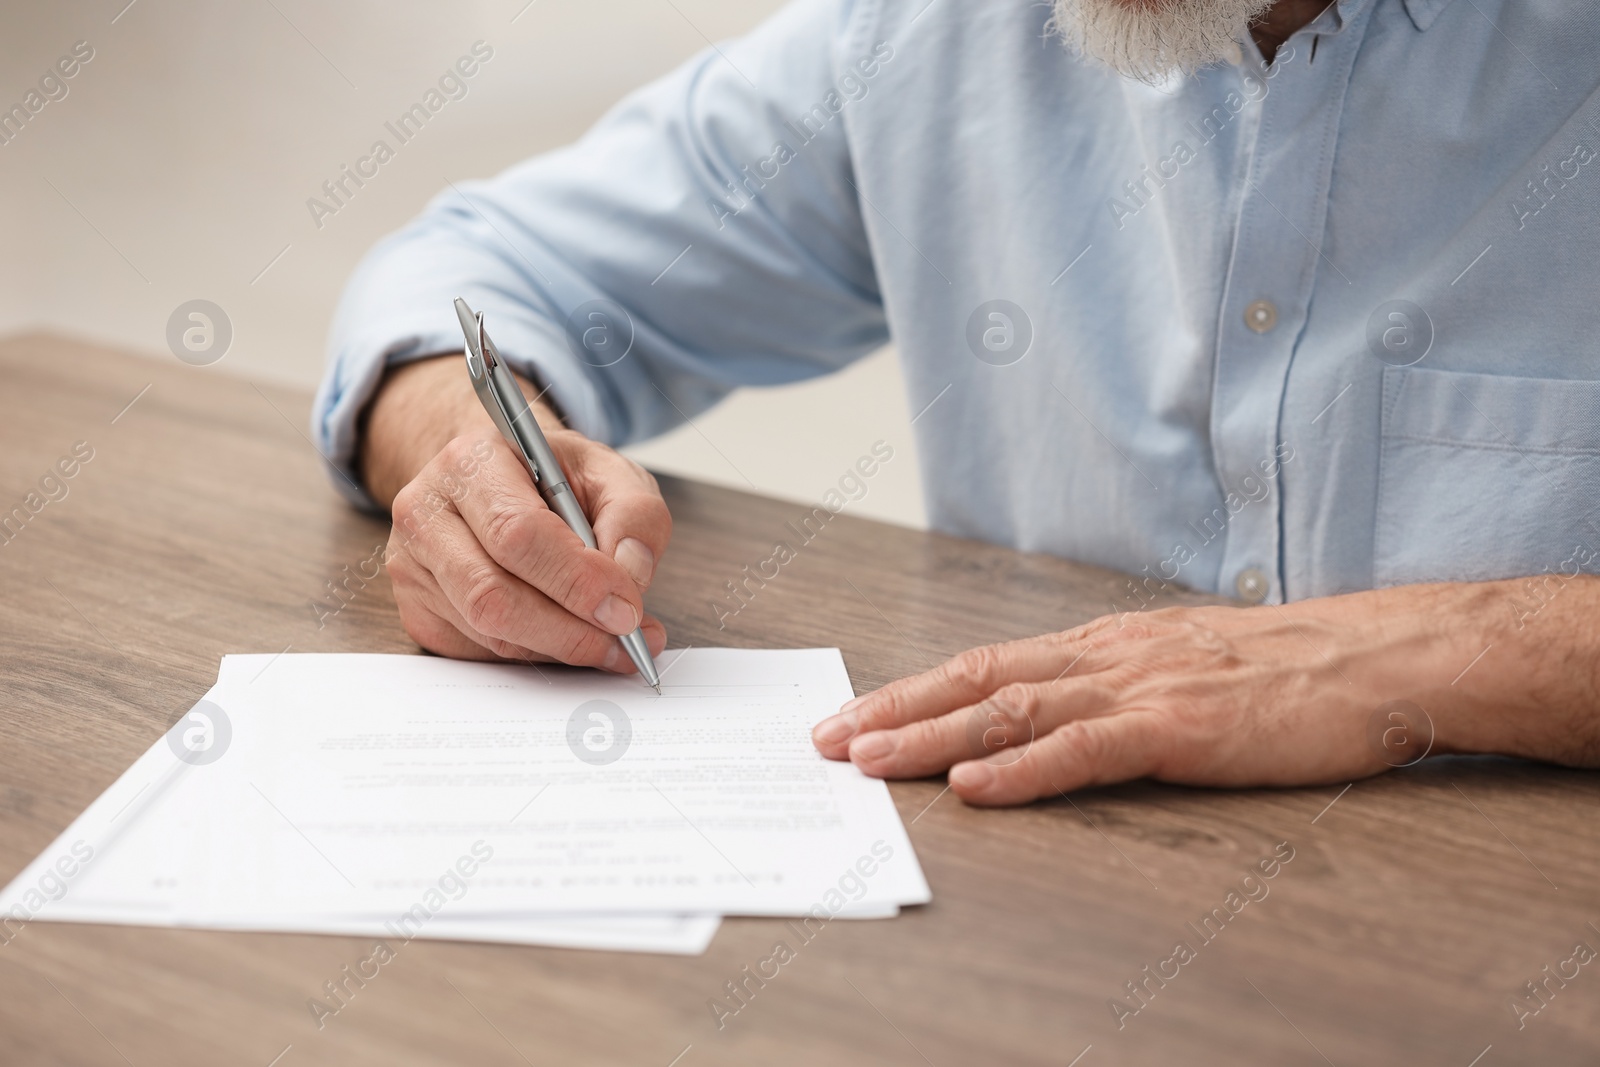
(1413, 910)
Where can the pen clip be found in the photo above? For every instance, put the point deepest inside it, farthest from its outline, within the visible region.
(472, 329)
(486, 350)
(482, 363)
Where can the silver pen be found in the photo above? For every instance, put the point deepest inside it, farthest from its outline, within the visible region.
(503, 399)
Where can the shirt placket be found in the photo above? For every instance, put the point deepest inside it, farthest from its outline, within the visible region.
(1277, 256)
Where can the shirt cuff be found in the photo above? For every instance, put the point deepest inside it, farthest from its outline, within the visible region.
(532, 347)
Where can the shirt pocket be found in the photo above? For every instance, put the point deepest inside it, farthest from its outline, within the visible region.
(1484, 476)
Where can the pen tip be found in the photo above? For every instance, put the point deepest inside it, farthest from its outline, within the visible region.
(657, 688)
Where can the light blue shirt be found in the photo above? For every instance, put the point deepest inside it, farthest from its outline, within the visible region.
(1281, 331)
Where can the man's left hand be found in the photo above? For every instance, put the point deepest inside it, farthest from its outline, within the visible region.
(1227, 696)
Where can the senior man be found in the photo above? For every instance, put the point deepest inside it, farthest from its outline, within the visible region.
(1289, 300)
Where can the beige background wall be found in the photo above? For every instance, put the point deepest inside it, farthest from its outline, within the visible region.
(179, 163)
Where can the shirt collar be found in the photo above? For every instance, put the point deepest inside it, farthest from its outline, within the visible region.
(1339, 13)
(1423, 12)
(1335, 16)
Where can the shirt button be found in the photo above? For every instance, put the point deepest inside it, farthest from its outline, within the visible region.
(1261, 316)
(1252, 585)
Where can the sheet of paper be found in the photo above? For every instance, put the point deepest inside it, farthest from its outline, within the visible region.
(408, 757)
(130, 859)
(361, 784)
(682, 935)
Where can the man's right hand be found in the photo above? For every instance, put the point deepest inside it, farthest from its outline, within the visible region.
(481, 567)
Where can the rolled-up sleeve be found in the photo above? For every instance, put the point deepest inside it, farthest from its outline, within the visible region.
(705, 235)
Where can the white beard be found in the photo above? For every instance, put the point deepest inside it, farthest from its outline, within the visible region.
(1149, 40)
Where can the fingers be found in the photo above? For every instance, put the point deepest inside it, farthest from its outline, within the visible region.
(1004, 725)
(493, 607)
(957, 683)
(426, 613)
(1085, 752)
(439, 635)
(631, 522)
(526, 539)
(435, 624)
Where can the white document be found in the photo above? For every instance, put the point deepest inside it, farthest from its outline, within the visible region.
(356, 784)
(680, 935)
(127, 860)
(408, 796)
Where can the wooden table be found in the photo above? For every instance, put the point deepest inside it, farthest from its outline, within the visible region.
(1413, 909)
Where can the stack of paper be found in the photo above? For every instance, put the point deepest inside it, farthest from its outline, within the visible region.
(410, 796)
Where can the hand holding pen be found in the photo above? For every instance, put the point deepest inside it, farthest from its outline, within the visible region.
(481, 565)
(503, 400)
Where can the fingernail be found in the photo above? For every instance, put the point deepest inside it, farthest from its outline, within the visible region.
(613, 658)
(839, 728)
(853, 704)
(975, 775)
(637, 559)
(873, 747)
(616, 616)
